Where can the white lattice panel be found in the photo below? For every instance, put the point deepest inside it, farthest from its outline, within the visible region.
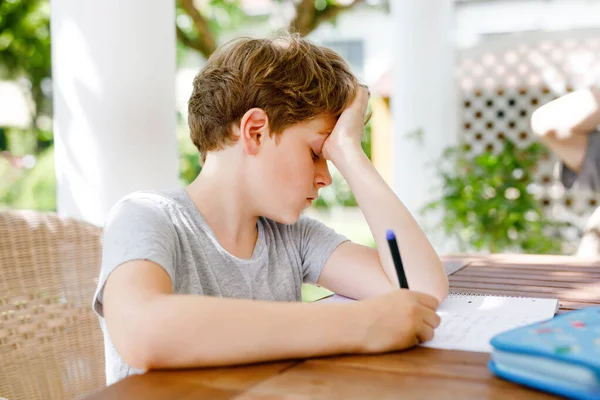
(502, 84)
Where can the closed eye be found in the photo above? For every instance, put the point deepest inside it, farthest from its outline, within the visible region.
(315, 156)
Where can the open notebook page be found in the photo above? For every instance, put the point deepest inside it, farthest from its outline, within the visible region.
(470, 321)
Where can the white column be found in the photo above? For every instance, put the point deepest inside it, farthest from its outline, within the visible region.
(113, 68)
(424, 97)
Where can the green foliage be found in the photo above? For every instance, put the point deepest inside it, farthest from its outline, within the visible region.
(189, 158)
(38, 187)
(31, 188)
(338, 194)
(487, 202)
(3, 140)
(225, 15)
(25, 44)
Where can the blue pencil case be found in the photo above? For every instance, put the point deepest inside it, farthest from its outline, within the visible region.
(560, 355)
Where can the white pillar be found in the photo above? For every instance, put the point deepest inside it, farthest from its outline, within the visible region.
(424, 96)
(113, 68)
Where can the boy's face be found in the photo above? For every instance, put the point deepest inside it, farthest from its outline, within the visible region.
(292, 169)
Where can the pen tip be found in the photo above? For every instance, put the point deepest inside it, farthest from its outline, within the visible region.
(389, 234)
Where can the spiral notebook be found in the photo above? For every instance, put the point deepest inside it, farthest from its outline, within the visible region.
(469, 321)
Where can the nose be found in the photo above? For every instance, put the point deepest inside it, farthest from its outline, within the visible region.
(322, 175)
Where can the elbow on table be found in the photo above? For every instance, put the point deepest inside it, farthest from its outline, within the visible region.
(137, 352)
(146, 354)
(135, 339)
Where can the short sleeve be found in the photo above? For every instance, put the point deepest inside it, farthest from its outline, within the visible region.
(316, 243)
(137, 229)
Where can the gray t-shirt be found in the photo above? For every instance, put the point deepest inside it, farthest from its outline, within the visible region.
(166, 228)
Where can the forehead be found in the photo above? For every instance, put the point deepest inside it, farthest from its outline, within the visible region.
(313, 129)
(321, 124)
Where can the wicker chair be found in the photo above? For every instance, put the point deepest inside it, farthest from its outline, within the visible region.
(51, 345)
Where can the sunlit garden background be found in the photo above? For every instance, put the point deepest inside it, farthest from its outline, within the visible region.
(493, 188)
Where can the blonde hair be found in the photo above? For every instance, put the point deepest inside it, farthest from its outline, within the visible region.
(290, 78)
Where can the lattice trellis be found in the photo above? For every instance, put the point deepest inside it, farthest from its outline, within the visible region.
(501, 86)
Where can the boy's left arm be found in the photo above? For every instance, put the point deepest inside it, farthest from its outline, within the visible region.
(359, 271)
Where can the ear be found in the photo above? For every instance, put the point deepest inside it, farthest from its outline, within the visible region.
(254, 128)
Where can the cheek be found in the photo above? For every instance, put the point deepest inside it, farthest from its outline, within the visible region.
(294, 168)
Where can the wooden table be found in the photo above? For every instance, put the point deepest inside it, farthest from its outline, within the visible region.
(418, 373)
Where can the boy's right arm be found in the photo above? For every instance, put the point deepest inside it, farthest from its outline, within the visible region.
(153, 328)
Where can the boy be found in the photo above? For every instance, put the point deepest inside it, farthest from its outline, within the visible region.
(211, 274)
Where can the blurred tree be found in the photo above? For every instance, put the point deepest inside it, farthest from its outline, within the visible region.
(199, 23)
(25, 55)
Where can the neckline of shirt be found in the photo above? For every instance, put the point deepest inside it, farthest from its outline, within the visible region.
(190, 208)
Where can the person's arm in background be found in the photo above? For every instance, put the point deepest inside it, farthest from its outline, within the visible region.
(564, 123)
(576, 113)
(352, 265)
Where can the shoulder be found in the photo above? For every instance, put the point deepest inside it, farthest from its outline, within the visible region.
(142, 208)
(150, 199)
